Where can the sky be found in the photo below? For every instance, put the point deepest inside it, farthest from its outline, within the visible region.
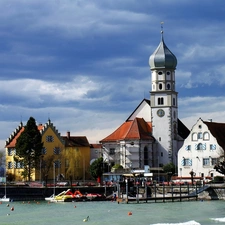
(84, 64)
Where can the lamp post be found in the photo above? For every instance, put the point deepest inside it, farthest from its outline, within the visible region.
(126, 190)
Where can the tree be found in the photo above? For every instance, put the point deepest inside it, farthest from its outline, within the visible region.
(220, 167)
(73, 158)
(96, 168)
(46, 166)
(169, 168)
(29, 148)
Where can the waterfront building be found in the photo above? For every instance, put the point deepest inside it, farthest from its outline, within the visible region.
(54, 162)
(152, 134)
(77, 157)
(201, 151)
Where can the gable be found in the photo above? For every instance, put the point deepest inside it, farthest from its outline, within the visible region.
(11, 141)
(143, 110)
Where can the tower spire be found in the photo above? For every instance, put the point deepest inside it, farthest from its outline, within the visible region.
(162, 29)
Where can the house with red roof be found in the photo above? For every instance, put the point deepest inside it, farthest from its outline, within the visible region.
(55, 162)
(152, 135)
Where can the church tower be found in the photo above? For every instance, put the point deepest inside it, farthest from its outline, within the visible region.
(164, 106)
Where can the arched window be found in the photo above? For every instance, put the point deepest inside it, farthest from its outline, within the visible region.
(160, 86)
(200, 146)
(206, 136)
(168, 86)
(194, 137)
(145, 155)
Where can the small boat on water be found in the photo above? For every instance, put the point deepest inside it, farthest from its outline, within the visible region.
(4, 199)
(66, 196)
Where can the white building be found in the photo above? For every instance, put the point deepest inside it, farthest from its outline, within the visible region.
(152, 134)
(201, 150)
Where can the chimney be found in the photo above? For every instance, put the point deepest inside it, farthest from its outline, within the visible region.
(68, 134)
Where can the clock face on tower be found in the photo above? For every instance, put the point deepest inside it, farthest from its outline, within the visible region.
(160, 113)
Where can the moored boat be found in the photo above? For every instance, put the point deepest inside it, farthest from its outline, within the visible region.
(4, 199)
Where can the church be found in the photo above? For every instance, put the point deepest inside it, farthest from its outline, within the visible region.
(152, 135)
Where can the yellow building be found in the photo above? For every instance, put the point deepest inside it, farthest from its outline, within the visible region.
(63, 158)
(52, 162)
(77, 157)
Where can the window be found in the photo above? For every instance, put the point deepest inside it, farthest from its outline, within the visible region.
(206, 136)
(112, 151)
(174, 101)
(212, 147)
(160, 101)
(200, 146)
(188, 147)
(194, 137)
(160, 73)
(146, 155)
(57, 164)
(10, 165)
(168, 73)
(168, 86)
(49, 138)
(161, 154)
(206, 162)
(56, 150)
(19, 165)
(43, 151)
(160, 86)
(186, 162)
(11, 151)
(200, 135)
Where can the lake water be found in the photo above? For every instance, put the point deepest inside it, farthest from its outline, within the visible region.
(170, 213)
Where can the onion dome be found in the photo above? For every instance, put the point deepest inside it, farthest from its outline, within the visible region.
(162, 57)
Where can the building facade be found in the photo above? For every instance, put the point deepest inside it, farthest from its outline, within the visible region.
(202, 150)
(54, 161)
(153, 133)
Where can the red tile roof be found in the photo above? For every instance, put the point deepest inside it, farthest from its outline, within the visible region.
(132, 129)
(12, 142)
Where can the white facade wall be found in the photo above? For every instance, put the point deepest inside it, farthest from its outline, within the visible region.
(129, 154)
(199, 153)
(143, 111)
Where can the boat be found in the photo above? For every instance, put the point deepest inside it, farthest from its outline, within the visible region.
(4, 198)
(67, 196)
(58, 198)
